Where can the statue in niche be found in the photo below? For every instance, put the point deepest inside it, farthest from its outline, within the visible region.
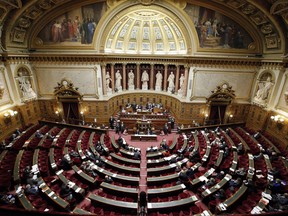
(145, 79)
(181, 85)
(118, 77)
(181, 82)
(131, 80)
(25, 86)
(263, 89)
(171, 82)
(108, 80)
(159, 79)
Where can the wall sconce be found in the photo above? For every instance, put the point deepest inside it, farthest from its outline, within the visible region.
(279, 121)
(278, 118)
(10, 113)
(230, 118)
(57, 113)
(8, 116)
(82, 115)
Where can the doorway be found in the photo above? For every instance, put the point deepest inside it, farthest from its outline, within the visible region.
(217, 114)
(71, 112)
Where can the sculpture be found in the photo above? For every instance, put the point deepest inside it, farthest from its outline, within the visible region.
(263, 89)
(181, 82)
(131, 80)
(118, 78)
(145, 79)
(159, 78)
(171, 82)
(25, 87)
(108, 80)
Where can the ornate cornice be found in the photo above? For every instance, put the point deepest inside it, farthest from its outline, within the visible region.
(214, 62)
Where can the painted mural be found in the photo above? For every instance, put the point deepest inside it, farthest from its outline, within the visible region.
(215, 30)
(75, 27)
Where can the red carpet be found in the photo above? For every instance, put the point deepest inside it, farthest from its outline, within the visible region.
(143, 145)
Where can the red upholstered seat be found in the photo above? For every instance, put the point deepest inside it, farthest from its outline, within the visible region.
(195, 210)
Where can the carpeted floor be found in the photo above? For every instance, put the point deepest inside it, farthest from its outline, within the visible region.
(143, 145)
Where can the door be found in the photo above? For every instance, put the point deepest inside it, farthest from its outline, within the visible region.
(71, 112)
(217, 114)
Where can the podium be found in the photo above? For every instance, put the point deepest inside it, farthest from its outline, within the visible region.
(143, 125)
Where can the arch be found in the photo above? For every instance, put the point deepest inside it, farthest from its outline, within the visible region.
(127, 18)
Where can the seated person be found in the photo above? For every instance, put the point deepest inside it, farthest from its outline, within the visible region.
(26, 172)
(99, 163)
(99, 148)
(277, 185)
(220, 175)
(7, 199)
(250, 184)
(73, 153)
(183, 177)
(17, 132)
(226, 152)
(66, 192)
(31, 189)
(240, 149)
(210, 182)
(49, 136)
(241, 172)
(194, 156)
(3, 145)
(13, 137)
(274, 172)
(220, 194)
(120, 141)
(108, 179)
(32, 179)
(137, 155)
(234, 183)
(89, 155)
(223, 145)
(65, 162)
(38, 134)
(149, 132)
(164, 145)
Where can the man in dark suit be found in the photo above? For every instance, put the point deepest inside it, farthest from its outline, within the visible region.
(111, 122)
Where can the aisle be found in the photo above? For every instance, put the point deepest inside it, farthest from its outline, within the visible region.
(143, 145)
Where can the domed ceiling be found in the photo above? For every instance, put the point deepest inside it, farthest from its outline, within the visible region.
(146, 32)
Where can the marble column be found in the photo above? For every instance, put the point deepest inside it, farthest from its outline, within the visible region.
(165, 77)
(103, 69)
(124, 84)
(152, 76)
(113, 77)
(177, 78)
(138, 76)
